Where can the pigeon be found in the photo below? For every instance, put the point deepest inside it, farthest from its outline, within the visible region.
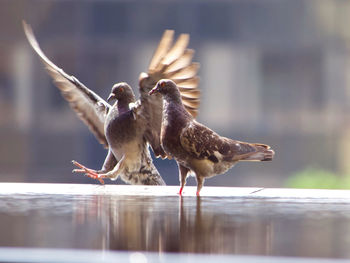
(195, 147)
(128, 127)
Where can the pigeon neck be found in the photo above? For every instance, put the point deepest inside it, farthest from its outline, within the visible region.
(123, 106)
(173, 98)
(174, 102)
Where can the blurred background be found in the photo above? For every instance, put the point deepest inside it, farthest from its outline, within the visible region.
(274, 71)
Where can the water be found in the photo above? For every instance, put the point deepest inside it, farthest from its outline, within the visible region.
(219, 225)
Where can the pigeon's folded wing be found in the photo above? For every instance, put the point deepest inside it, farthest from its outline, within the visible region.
(90, 107)
(201, 142)
(170, 61)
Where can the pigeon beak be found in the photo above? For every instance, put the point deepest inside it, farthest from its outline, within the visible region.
(154, 90)
(111, 97)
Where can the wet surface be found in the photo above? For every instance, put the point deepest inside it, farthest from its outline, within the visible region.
(219, 225)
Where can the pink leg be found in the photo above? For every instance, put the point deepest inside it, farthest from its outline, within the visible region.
(183, 171)
(200, 182)
(180, 192)
(88, 172)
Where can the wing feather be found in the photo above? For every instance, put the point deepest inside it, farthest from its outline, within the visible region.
(201, 142)
(161, 50)
(187, 83)
(198, 140)
(90, 107)
(184, 73)
(170, 61)
(181, 62)
(177, 50)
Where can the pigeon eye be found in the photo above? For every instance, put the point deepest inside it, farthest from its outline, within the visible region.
(121, 89)
(162, 84)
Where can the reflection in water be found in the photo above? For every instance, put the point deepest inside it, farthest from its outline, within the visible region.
(174, 224)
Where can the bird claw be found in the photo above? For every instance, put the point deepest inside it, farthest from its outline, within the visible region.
(88, 172)
(78, 171)
(96, 177)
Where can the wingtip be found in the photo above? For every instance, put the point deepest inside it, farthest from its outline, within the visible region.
(163, 47)
(28, 31)
(26, 27)
(169, 31)
(177, 50)
(24, 23)
(185, 37)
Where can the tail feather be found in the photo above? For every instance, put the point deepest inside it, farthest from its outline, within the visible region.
(150, 176)
(263, 153)
(148, 173)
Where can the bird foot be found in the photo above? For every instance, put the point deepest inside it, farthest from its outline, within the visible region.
(88, 172)
(180, 192)
(197, 193)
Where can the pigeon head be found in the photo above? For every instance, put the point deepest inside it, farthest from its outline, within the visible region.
(167, 88)
(121, 91)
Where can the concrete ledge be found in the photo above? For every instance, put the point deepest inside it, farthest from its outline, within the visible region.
(87, 256)
(276, 194)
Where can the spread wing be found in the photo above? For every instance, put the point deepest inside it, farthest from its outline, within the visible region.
(174, 61)
(201, 142)
(170, 61)
(90, 107)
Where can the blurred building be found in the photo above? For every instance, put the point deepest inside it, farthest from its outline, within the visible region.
(274, 71)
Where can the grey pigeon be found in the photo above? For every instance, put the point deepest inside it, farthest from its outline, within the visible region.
(195, 147)
(127, 127)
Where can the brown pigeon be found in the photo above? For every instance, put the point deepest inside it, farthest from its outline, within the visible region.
(194, 146)
(128, 126)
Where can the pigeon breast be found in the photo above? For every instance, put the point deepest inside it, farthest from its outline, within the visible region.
(120, 129)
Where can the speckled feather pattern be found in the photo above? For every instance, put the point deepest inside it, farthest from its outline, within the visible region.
(196, 147)
(125, 131)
